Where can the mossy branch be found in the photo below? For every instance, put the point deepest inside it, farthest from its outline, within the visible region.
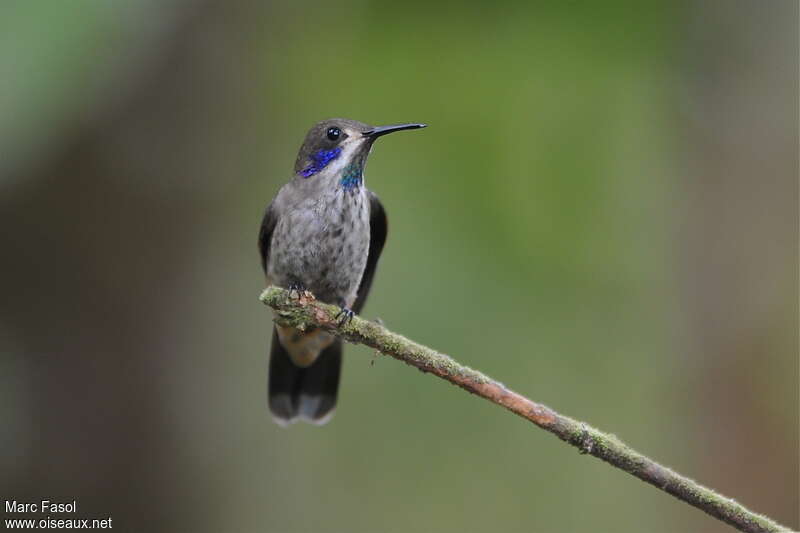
(304, 312)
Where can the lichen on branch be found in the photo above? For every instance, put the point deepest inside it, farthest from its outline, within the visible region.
(302, 311)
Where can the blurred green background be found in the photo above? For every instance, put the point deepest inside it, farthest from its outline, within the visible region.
(602, 214)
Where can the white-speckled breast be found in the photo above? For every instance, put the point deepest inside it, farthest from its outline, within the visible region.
(323, 243)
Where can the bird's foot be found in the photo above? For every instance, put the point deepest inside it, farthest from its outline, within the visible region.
(296, 290)
(344, 316)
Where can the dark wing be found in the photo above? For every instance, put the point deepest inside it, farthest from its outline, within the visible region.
(377, 237)
(265, 235)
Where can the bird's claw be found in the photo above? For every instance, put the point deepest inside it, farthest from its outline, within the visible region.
(344, 316)
(297, 288)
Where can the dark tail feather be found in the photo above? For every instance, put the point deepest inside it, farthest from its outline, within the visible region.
(283, 377)
(306, 393)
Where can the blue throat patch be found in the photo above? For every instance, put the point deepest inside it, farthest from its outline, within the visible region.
(351, 177)
(320, 160)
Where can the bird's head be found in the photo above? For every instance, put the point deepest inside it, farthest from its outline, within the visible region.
(335, 150)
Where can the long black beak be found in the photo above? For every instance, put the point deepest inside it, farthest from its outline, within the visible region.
(384, 130)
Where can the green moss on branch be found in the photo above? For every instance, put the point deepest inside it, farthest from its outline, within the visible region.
(302, 311)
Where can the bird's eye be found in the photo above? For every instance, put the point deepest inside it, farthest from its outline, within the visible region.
(334, 133)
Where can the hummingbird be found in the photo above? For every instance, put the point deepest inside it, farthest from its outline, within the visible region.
(323, 232)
